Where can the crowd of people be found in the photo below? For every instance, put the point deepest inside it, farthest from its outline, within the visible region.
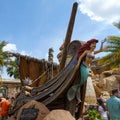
(108, 109)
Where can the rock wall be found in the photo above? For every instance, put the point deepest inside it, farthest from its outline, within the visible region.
(107, 80)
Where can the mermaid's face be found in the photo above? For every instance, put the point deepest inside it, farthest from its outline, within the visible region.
(93, 45)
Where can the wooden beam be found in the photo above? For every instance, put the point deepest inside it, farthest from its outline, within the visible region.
(68, 35)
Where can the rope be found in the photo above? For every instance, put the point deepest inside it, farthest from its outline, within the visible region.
(39, 77)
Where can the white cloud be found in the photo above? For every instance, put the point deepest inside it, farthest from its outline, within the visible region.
(25, 53)
(101, 10)
(10, 47)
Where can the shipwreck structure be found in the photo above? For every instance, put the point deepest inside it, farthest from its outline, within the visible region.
(36, 80)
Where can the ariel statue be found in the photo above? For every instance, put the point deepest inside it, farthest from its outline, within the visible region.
(85, 56)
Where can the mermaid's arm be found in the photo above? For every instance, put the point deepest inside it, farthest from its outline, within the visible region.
(101, 47)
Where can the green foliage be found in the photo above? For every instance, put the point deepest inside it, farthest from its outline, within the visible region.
(112, 59)
(113, 44)
(3, 55)
(94, 114)
(7, 61)
(117, 25)
(12, 68)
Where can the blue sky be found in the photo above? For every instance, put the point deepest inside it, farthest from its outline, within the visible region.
(31, 27)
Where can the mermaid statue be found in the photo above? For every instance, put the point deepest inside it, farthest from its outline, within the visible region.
(85, 56)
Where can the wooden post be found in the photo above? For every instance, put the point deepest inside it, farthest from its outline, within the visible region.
(68, 35)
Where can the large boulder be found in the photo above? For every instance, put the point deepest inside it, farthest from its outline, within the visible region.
(33, 110)
(106, 81)
(111, 83)
(59, 115)
(116, 71)
(117, 78)
(107, 73)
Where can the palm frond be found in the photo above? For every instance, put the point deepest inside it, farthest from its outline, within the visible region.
(117, 24)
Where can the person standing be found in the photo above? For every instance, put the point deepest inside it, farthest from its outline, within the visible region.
(102, 109)
(4, 105)
(113, 105)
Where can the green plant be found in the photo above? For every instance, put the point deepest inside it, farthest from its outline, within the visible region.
(94, 114)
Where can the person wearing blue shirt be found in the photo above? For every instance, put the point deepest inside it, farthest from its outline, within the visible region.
(113, 105)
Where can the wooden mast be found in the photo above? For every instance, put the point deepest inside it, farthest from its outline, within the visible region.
(68, 35)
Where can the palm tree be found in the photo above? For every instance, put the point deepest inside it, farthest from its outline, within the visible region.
(3, 58)
(8, 62)
(112, 59)
(3, 55)
(117, 25)
(13, 69)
